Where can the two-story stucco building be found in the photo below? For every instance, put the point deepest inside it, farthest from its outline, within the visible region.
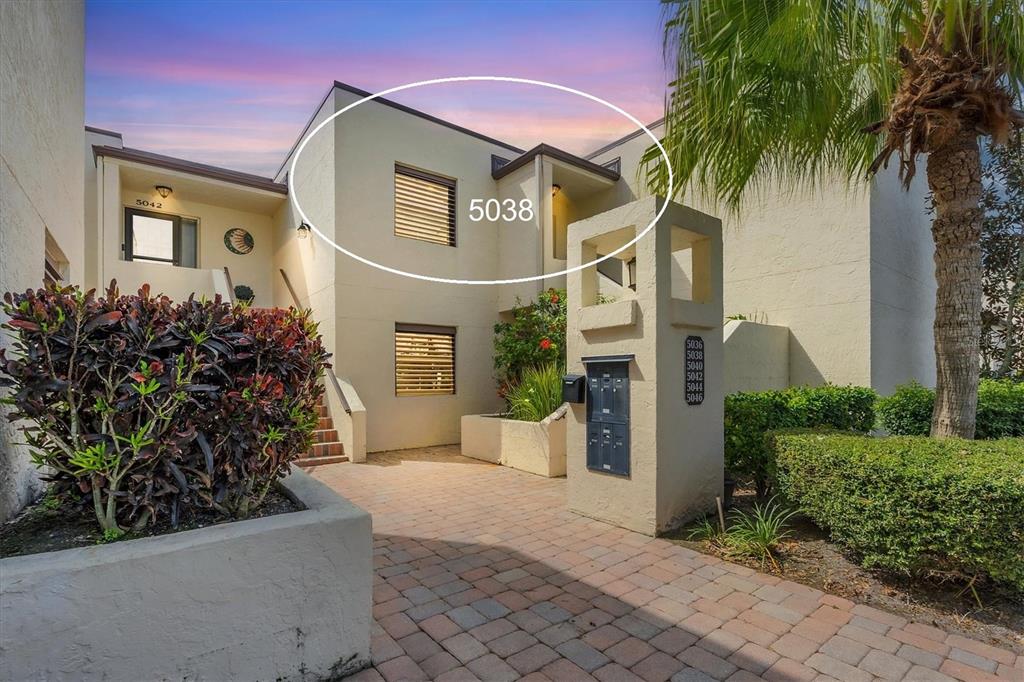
(837, 286)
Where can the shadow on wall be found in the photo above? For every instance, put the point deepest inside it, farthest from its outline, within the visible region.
(546, 614)
(802, 370)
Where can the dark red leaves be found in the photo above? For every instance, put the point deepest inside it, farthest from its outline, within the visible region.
(104, 320)
(243, 398)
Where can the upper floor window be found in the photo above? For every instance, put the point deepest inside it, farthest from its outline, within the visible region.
(424, 206)
(160, 238)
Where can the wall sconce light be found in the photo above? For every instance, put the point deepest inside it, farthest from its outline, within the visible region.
(163, 190)
(303, 230)
(555, 189)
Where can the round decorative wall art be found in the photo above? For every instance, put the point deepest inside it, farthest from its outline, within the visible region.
(239, 241)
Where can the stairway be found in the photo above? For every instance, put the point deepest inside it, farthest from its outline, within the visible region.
(327, 449)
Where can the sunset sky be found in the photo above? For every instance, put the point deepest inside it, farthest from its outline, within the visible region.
(233, 83)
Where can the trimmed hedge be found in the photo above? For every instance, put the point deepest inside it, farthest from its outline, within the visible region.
(750, 415)
(908, 411)
(912, 504)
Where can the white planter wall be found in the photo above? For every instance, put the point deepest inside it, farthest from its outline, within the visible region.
(285, 597)
(536, 447)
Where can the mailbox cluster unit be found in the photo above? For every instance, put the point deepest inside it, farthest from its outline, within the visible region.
(608, 413)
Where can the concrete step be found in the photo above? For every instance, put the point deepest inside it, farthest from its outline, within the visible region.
(309, 462)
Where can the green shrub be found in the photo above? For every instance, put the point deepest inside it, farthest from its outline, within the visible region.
(538, 393)
(913, 504)
(750, 415)
(908, 411)
(140, 409)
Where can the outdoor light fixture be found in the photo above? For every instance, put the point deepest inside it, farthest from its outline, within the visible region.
(163, 190)
(555, 189)
(303, 230)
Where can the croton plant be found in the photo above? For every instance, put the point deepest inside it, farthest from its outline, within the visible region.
(143, 409)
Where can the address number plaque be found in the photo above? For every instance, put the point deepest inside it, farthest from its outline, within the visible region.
(694, 370)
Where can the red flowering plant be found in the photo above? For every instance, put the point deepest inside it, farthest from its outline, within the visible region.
(140, 409)
(533, 337)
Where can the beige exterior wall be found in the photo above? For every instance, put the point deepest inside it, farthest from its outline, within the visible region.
(756, 356)
(367, 142)
(902, 283)
(41, 178)
(847, 271)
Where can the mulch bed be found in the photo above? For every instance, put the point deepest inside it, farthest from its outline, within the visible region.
(41, 529)
(810, 558)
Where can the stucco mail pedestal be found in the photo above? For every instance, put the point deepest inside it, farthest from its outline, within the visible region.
(536, 447)
(285, 597)
(674, 449)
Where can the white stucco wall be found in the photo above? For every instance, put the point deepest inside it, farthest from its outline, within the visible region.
(41, 174)
(902, 282)
(284, 597)
(756, 356)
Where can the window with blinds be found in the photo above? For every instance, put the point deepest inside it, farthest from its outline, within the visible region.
(424, 360)
(424, 206)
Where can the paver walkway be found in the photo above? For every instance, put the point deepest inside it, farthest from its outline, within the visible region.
(482, 573)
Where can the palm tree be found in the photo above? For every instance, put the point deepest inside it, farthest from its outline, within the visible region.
(794, 91)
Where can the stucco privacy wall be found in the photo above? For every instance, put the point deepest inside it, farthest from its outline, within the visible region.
(808, 260)
(41, 176)
(368, 141)
(756, 356)
(283, 597)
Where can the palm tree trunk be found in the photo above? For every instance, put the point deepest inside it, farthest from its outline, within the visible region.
(954, 176)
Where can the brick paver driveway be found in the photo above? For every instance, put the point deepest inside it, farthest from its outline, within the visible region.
(482, 573)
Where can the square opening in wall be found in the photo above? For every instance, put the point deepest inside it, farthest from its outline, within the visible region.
(691, 266)
(614, 278)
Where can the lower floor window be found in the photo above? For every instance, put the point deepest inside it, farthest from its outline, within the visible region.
(424, 360)
(160, 238)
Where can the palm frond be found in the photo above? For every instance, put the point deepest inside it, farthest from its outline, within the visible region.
(782, 91)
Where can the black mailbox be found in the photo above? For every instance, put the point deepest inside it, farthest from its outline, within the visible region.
(573, 386)
(608, 413)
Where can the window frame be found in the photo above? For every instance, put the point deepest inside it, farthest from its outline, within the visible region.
(450, 183)
(126, 246)
(433, 329)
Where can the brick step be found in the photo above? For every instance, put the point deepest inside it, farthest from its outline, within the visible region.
(326, 450)
(325, 436)
(309, 462)
(324, 412)
(325, 424)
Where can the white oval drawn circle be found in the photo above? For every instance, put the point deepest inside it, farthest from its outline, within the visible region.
(293, 195)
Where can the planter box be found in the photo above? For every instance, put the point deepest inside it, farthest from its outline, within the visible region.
(284, 597)
(536, 447)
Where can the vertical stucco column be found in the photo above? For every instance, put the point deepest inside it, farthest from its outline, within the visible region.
(675, 449)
